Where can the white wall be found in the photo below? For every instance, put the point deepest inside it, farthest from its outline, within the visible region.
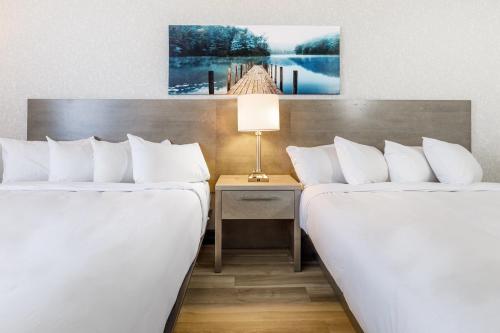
(395, 49)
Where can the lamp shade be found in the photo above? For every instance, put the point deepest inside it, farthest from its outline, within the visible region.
(258, 112)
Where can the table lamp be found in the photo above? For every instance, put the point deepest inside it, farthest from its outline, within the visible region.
(258, 113)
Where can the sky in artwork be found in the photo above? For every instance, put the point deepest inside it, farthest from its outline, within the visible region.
(286, 37)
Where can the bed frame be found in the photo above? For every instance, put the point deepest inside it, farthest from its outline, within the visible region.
(212, 123)
(340, 295)
(176, 309)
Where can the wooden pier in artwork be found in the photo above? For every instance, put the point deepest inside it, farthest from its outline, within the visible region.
(254, 79)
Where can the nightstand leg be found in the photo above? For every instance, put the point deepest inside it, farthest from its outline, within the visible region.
(218, 233)
(296, 246)
(297, 235)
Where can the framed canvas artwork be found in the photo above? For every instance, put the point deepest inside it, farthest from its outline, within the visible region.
(234, 60)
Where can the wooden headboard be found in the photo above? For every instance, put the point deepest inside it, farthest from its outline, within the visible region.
(212, 123)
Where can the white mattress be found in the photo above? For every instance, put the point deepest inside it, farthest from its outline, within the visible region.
(84, 257)
(411, 258)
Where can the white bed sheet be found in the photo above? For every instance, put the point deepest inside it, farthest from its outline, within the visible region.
(83, 257)
(411, 258)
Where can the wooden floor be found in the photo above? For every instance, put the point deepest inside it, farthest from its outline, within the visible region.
(256, 81)
(258, 291)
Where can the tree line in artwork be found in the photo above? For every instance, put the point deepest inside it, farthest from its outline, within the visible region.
(323, 45)
(215, 40)
(228, 41)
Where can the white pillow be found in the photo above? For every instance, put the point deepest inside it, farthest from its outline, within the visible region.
(112, 162)
(407, 164)
(452, 163)
(161, 162)
(71, 161)
(24, 160)
(316, 165)
(361, 164)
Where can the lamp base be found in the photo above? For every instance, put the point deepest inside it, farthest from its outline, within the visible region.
(258, 177)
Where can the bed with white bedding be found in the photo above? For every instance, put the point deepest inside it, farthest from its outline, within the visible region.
(88, 257)
(411, 258)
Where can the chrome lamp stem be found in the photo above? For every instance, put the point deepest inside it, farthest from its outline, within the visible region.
(257, 153)
(257, 175)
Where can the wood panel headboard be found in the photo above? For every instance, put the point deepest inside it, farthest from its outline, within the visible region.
(212, 123)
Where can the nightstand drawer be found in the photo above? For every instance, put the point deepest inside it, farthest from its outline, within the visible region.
(258, 205)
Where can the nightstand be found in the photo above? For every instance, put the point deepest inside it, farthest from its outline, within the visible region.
(238, 199)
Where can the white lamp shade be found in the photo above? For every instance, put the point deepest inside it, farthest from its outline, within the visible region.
(258, 112)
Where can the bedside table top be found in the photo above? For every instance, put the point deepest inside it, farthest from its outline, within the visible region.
(240, 182)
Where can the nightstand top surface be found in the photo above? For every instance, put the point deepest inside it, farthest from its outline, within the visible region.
(240, 182)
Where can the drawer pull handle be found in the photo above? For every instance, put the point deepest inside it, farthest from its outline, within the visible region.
(259, 198)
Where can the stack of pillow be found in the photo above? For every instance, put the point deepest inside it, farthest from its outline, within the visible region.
(353, 163)
(87, 160)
